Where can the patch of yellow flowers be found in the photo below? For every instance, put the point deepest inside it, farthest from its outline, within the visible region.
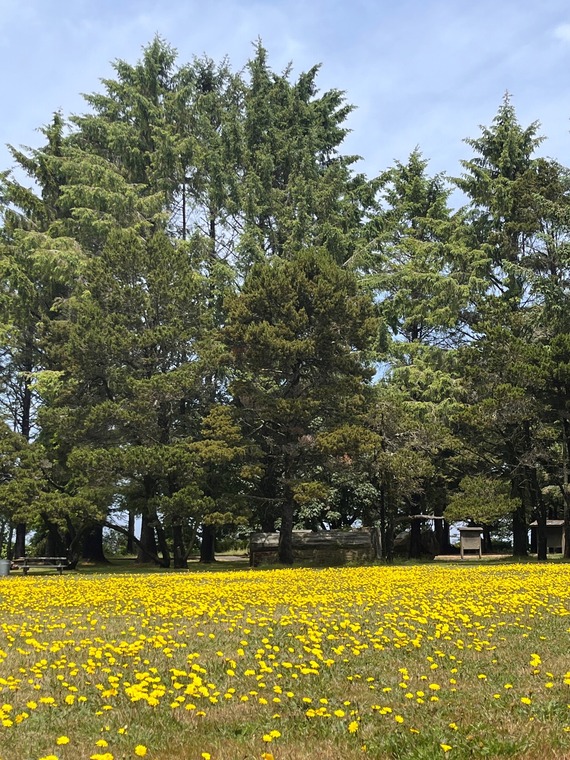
(117, 666)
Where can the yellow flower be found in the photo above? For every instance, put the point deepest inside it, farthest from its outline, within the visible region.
(62, 740)
(526, 700)
(140, 750)
(445, 747)
(206, 755)
(353, 727)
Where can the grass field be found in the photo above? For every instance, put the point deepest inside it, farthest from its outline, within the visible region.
(425, 661)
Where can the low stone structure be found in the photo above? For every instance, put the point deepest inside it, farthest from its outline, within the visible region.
(323, 547)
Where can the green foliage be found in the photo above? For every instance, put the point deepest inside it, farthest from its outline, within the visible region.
(298, 191)
(299, 333)
(422, 268)
(481, 500)
(198, 287)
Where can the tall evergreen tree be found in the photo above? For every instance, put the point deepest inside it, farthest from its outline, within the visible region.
(299, 191)
(38, 267)
(500, 182)
(299, 333)
(424, 277)
(134, 354)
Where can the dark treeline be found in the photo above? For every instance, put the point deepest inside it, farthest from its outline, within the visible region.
(199, 289)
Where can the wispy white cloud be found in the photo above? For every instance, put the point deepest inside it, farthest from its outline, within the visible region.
(562, 32)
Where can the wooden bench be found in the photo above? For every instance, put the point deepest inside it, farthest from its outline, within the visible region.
(24, 563)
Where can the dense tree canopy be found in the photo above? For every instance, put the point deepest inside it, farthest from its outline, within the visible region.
(211, 322)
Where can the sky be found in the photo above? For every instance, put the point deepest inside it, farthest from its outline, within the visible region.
(423, 73)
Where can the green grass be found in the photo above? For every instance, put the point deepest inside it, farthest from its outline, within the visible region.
(412, 661)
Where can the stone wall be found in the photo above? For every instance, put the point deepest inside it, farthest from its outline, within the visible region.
(318, 548)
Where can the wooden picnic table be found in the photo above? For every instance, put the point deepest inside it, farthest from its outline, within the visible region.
(25, 563)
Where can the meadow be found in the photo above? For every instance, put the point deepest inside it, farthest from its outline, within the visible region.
(454, 661)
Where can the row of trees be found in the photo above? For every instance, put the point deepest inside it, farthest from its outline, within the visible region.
(210, 320)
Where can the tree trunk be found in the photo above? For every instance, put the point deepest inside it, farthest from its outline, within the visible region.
(383, 520)
(20, 543)
(267, 523)
(487, 547)
(443, 537)
(567, 528)
(208, 546)
(74, 540)
(541, 515)
(162, 542)
(520, 527)
(178, 550)
(285, 550)
(390, 516)
(92, 550)
(25, 430)
(184, 207)
(565, 484)
(212, 231)
(153, 527)
(268, 492)
(10, 548)
(148, 549)
(415, 539)
(130, 538)
(520, 532)
(54, 543)
(124, 532)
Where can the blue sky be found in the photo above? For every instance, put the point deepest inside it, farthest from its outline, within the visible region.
(424, 73)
